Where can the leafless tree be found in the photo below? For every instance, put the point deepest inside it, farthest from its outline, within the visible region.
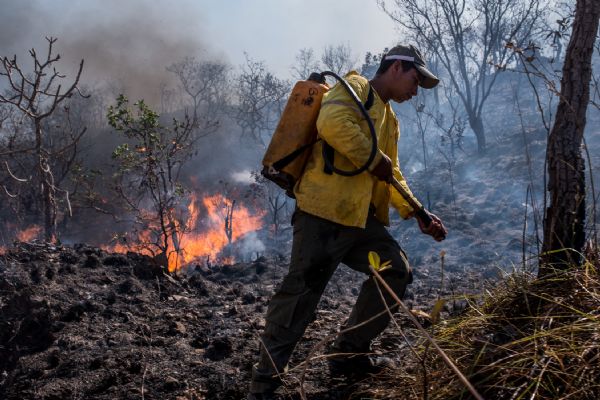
(422, 119)
(595, 98)
(338, 59)
(15, 155)
(170, 99)
(37, 95)
(564, 222)
(225, 207)
(468, 38)
(261, 97)
(277, 203)
(452, 124)
(205, 83)
(231, 196)
(306, 63)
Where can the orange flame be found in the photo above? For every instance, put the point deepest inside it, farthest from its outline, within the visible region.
(29, 234)
(211, 242)
(202, 238)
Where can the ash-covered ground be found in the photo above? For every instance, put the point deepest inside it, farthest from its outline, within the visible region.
(78, 323)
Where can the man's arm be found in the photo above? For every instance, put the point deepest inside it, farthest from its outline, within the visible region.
(435, 227)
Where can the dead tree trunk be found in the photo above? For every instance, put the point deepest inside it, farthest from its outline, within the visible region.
(476, 124)
(229, 222)
(564, 221)
(46, 181)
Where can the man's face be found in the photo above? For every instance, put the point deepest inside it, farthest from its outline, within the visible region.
(405, 84)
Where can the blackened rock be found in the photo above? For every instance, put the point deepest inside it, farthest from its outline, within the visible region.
(200, 341)
(76, 311)
(66, 269)
(107, 381)
(96, 363)
(145, 267)
(116, 260)
(235, 289)
(171, 384)
(232, 311)
(69, 257)
(176, 328)
(219, 349)
(35, 274)
(25, 328)
(53, 360)
(199, 284)
(83, 248)
(50, 272)
(110, 298)
(248, 298)
(135, 367)
(92, 261)
(260, 265)
(202, 269)
(129, 286)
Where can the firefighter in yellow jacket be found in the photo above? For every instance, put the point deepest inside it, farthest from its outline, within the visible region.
(339, 219)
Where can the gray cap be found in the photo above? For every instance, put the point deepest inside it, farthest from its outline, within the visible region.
(412, 54)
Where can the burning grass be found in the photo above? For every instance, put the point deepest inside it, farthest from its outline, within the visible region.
(213, 223)
(529, 338)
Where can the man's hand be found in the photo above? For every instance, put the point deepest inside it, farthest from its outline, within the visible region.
(436, 228)
(384, 170)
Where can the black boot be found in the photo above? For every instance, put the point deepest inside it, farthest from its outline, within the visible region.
(261, 396)
(354, 363)
(263, 384)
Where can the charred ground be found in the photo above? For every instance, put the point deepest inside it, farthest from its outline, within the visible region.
(77, 323)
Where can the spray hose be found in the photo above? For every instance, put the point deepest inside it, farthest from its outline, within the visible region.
(364, 112)
(419, 209)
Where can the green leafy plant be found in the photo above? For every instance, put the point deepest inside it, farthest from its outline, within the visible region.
(148, 174)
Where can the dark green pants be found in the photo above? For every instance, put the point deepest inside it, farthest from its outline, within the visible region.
(318, 247)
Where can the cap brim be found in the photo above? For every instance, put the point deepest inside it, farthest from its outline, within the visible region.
(429, 80)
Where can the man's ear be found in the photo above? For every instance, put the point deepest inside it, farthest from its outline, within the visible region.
(397, 67)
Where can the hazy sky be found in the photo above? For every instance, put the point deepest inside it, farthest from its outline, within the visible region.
(133, 41)
(274, 30)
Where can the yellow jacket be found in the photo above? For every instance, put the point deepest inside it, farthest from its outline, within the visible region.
(344, 199)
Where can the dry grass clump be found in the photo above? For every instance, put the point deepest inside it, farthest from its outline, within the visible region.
(528, 339)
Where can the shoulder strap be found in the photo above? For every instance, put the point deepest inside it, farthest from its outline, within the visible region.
(370, 98)
(279, 165)
(329, 152)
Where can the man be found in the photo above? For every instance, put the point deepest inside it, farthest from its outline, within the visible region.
(339, 219)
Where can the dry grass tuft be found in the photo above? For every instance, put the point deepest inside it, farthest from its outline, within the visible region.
(528, 339)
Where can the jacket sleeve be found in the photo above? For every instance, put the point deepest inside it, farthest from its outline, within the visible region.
(338, 124)
(404, 209)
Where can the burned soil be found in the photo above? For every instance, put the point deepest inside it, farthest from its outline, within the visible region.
(79, 323)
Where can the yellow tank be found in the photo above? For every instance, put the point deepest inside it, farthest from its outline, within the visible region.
(290, 145)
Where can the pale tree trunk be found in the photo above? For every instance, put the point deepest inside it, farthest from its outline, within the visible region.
(47, 187)
(476, 123)
(229, 222)
(564, 222)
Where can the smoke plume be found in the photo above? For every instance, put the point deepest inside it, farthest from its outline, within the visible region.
(126, 45)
